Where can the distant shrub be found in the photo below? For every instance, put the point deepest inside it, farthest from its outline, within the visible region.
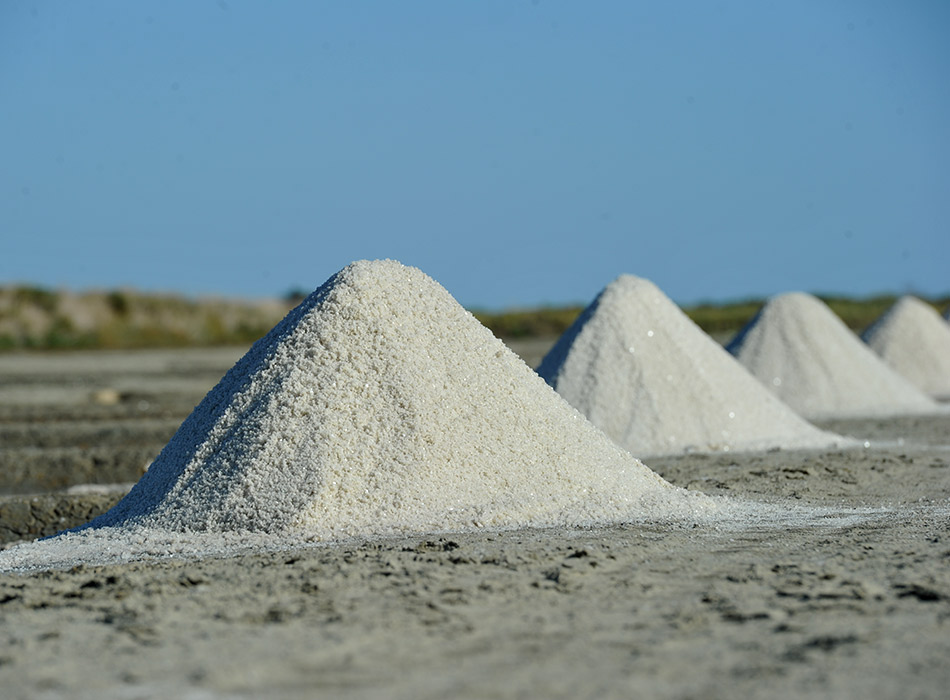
(249, 333)
(118, 302)
(142, 321)
(295, 296)
(723, 318)
(61, 334)
(37, 296)
(543, 322)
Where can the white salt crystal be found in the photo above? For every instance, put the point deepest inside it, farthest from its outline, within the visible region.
(914, 340)
(714, 404)
(798, 348)
(378, 406)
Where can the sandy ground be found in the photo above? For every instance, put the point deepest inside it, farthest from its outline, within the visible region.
(843, 591)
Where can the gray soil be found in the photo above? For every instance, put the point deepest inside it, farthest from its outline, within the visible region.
(850, 597)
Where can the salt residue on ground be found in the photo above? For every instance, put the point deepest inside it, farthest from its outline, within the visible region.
(104, 546)
(914, 340)
(797, 347)
(651, 379)
(380, 406)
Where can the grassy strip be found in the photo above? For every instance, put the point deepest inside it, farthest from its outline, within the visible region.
(38, 319)
(719, 319)
(33, 318)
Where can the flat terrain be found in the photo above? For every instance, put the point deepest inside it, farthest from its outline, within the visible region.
(839, 586)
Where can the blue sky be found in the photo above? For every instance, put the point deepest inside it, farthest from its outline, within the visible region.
(519, 152)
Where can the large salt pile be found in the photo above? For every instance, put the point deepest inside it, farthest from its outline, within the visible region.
(914, 340)
(379, 405)
(798, 348)
(651, 379)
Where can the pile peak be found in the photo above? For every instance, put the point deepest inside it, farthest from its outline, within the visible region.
(650, 378)
(379, 405)
(914, 340)
(797, 347)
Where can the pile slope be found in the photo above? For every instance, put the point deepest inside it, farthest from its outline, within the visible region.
(809, 358)
(378, 406)
(914, 340)
(651, 379)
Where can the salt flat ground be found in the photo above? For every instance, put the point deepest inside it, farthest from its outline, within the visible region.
(839, 588)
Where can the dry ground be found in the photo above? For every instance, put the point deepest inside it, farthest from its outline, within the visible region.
(847, 597)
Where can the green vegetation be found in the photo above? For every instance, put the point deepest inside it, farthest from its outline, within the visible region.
(529, 323)
(32, 318)
(719, 320)
(118, 302)
(36, 296)
(858, 314)
(723, 319)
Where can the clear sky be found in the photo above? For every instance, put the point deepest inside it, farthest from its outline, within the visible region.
(518, 152)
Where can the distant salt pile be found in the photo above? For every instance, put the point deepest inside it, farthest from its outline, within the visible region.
(378, 406)
(802, 351)
(914, 340)
(651, 379)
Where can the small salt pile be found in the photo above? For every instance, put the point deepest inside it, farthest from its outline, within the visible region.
(914, 340)
(799, 349)
(651, 379)
(380, 406)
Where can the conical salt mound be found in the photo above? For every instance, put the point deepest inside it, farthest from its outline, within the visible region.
(379, 405)
(797, 347)
(651, 379)
(914, 340)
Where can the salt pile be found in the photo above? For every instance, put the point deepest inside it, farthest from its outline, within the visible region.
(651, 379)
(798, 348)
(914, 340)
(380, 406)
